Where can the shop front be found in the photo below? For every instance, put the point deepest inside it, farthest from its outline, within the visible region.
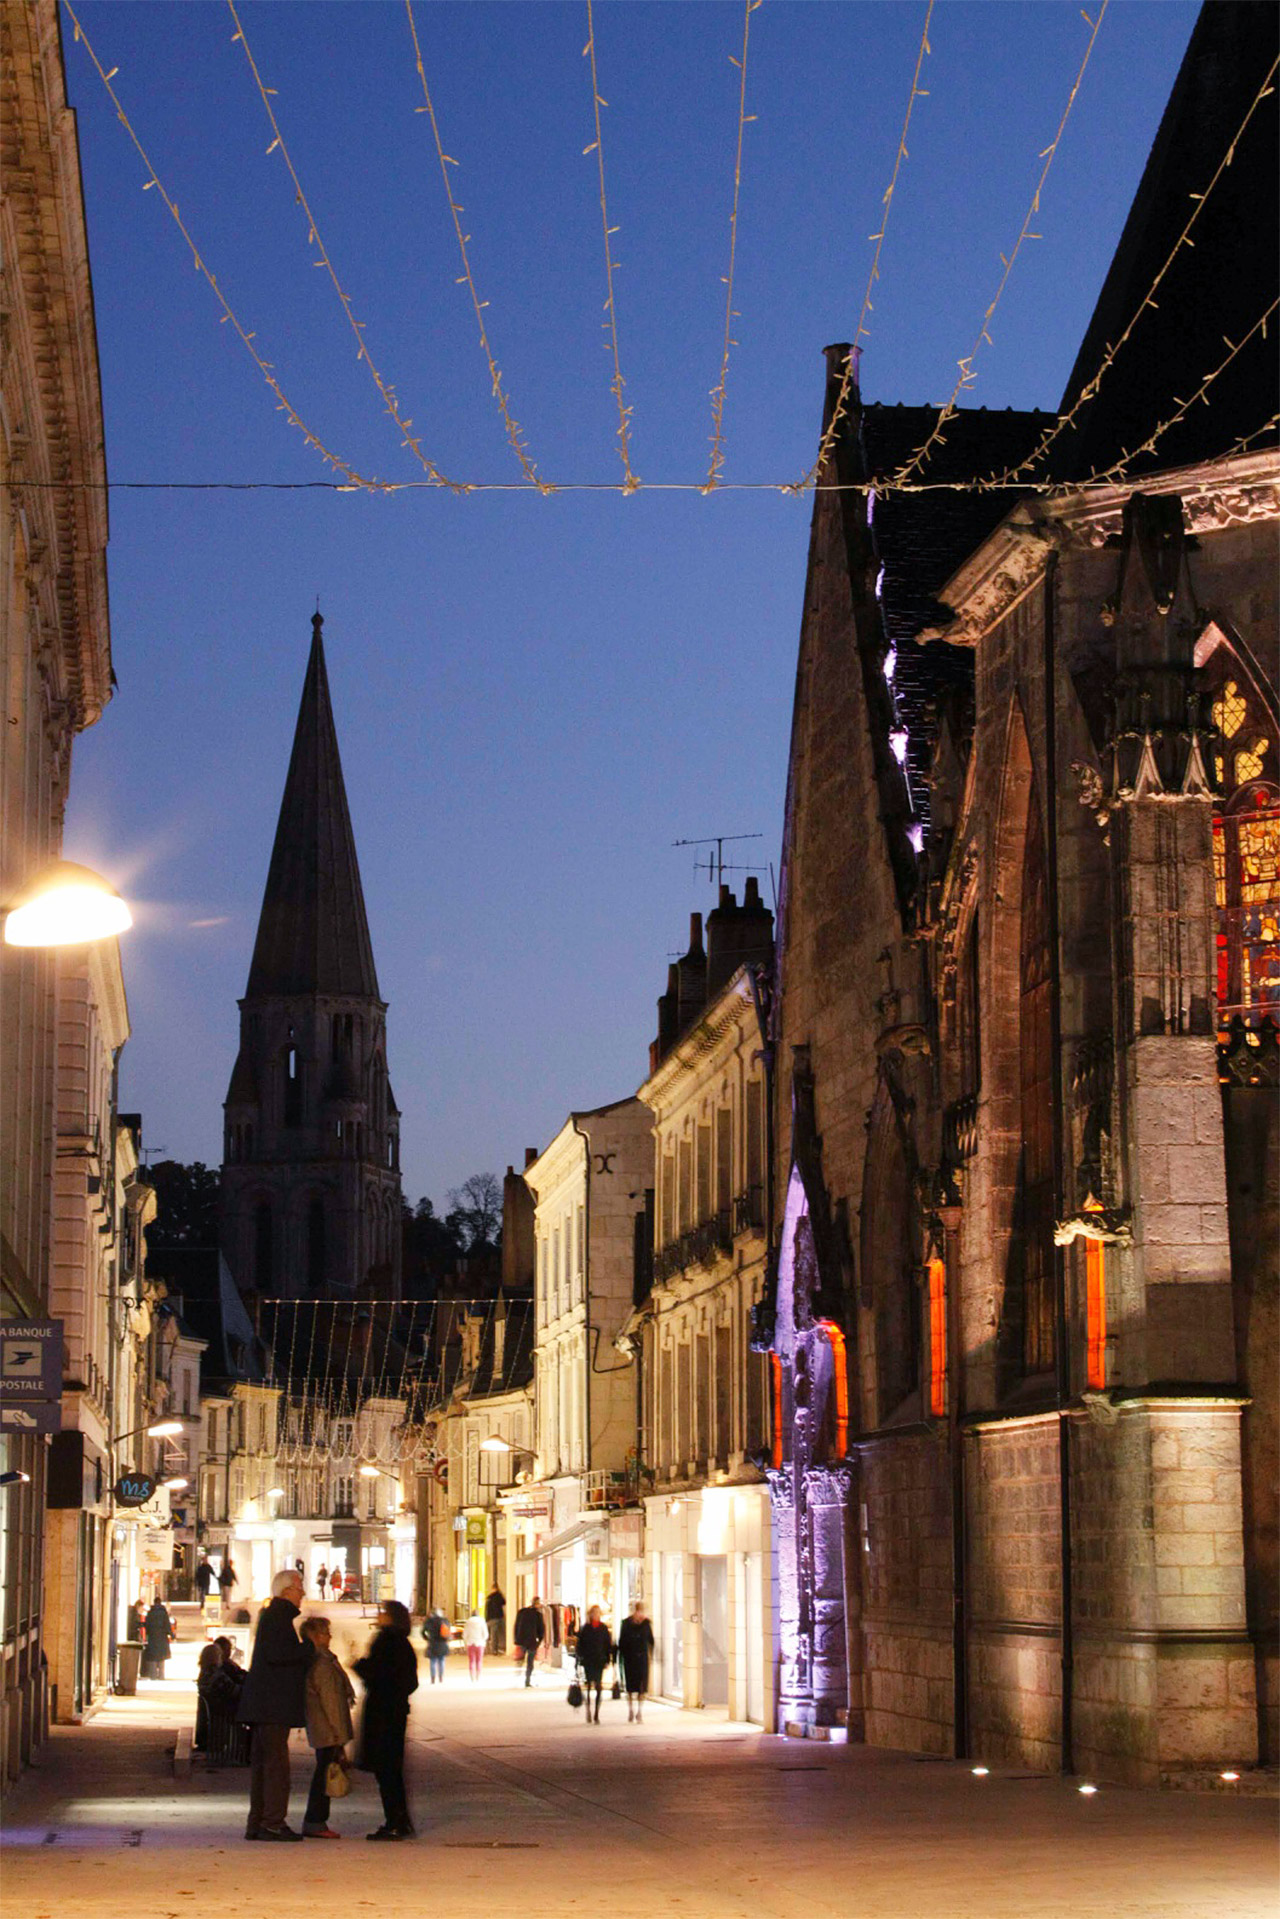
(578, 1560)
(710, 1581)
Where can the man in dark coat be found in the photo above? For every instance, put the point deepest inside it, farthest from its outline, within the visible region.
(158, 1628)
(594, 1651)
(528, 1633)
(495, 1618)
(204, 1578)
(272, 1702)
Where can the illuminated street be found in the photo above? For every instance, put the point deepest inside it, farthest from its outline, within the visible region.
(523, 1809)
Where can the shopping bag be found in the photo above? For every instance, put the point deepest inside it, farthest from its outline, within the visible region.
(337, 1780)
(575, 1695)
(616, 1690)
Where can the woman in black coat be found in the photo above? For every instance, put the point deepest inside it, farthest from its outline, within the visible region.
(635, 1650)
(158, 1630)
(389, 1671)
(594, 1651)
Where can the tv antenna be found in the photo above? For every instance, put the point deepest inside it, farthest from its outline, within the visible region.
(716, 867)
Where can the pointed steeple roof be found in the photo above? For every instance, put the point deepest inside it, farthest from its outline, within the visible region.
(313, 936)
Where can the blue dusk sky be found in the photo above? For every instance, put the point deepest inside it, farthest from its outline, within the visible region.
(534, 696)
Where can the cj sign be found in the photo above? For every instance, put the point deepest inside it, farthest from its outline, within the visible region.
(134, 1489)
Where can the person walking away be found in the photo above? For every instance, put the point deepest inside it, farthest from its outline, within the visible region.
(272, 1703)
(635, 1652)
(203, 1578)
(208, 1663)
(529, 1632)
(595, 1651)
(475, 1637)
(495, 1618)
(335, 1582)
(437, 1632)
(322, 1581)
(329, 1696)
(157, 1631)
(389, 1672)
(226, 1586)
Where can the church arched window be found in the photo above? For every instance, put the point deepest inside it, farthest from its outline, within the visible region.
(1035, 1052)
(1246, 832)
(292, 1085)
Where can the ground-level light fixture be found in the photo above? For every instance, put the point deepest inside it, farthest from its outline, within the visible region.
(64, 905)
(1230, 1777)
(1087, 1790)
(980, 1772)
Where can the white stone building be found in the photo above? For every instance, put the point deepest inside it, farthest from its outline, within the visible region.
(589, 1187)
(705, 1394)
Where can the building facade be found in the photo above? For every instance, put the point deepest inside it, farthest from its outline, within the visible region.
(55, 660)
(705, 1397)
(579, 1522)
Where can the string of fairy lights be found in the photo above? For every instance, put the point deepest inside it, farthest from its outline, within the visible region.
(967, 375)
(325, 260)
(841, 406)
(730, 314)
(908, 477)
(618, 384)
(467, 278)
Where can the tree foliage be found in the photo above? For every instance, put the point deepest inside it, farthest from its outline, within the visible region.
(475, 1212)
(186, 1205)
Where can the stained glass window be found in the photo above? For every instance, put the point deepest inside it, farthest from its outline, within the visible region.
(1246, 834)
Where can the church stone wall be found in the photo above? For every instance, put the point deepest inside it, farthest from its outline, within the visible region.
(905, 1548)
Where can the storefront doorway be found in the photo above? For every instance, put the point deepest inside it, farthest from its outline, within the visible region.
(753, 1565)
(714, 1607)
(673, 1626)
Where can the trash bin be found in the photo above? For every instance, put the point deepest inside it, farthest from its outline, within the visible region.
(128, 1660)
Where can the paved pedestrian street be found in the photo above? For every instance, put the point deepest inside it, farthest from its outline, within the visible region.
(523, 1809)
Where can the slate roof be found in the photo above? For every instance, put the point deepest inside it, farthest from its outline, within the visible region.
(921, 538)
(1218, 286)
(313, 935)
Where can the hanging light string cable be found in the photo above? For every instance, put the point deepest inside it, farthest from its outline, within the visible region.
(355, 480)
(718, 391)
(389, 400)
(838, 412)
(1113, 475)
(617, 385)
(466, 278)
(1087, 392)
(920, 457)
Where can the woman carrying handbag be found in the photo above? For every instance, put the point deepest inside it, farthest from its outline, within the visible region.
(595, 1651)
(329, 1699)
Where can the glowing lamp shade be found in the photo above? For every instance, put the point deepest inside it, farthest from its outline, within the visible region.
(65, 905)
(174, 1485)
(166, 1429)
(370, 1472)
(496, 1445)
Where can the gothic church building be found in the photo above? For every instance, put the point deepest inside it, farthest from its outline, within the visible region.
(311, 1157)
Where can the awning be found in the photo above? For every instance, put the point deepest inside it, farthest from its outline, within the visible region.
(560, 1542)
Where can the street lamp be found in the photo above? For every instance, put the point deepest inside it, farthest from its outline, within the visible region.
(174, 1485)
(496, 1445)
(64, 905)
(15, 1479)
(166, 1429)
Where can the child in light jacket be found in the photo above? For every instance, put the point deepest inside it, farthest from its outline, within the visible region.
(329, 1699)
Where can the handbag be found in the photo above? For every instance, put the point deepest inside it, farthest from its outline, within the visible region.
(575, 1694)
(615, 1691)
(337, 1780)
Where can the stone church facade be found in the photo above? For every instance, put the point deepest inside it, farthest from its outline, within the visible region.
(1025, 1292)
(311, 1158)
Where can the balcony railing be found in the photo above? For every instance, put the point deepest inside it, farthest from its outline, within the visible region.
(698, 1247)
(601, 1490)
(748, 1211)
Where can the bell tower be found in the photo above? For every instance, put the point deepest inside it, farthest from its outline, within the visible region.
(311, 1149)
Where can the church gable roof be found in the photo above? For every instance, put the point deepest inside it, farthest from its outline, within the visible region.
(313, 935)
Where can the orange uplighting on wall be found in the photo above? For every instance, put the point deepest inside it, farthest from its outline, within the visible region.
(775, 1368)
(841, 1382)
(937, 1337)
(1096, 1312)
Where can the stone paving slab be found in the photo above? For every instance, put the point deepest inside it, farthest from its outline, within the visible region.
(525, 1812)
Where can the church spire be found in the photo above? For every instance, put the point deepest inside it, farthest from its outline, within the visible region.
(313, 935)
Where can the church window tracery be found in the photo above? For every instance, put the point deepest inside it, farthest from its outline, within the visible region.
(1246, 836)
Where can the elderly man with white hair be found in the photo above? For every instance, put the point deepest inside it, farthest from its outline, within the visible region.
(272, 1702)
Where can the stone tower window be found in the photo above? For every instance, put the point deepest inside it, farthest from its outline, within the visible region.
(1035, 1058)
(292, 1086)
